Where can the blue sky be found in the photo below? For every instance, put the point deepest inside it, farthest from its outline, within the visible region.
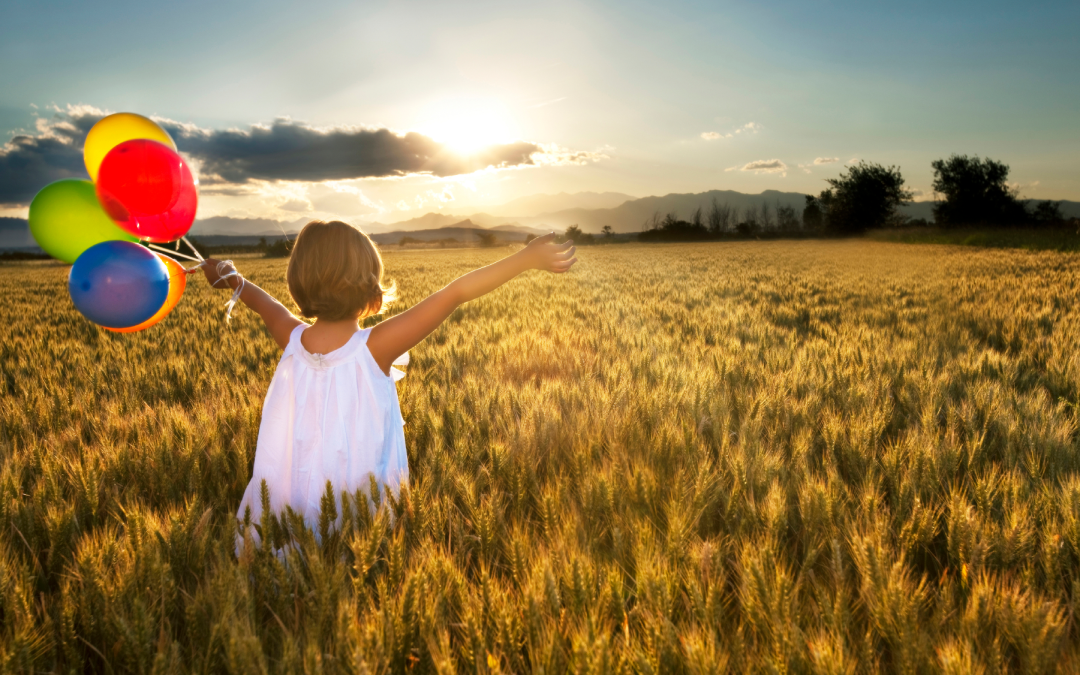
(633, 85)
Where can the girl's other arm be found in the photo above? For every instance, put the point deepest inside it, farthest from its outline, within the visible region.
(279, 320)
(398, 334)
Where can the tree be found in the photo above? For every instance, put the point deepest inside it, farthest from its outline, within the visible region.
(976, 192)
(867, 196)
(1048, 214)
(607, 231)
(574, 232)
(766, 219)
(696, 219)
(279, 249)
(673, 229)
(786, 219)
(812, 216)
(719, 217)
(747, 224)
(487, 239)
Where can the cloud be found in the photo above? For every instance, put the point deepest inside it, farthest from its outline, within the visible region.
(287, 150)
(30, 161)
(551, 154)
(284, 150)
(826, 160)
(225, 190)
(766, 166)
(342, 198)
(748, 128)
(296, 205)
(1023, 186)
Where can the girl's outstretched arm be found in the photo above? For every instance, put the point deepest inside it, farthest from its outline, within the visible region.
(279, 320)
(398, 334)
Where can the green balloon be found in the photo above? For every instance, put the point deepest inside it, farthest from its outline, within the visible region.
(66, 219)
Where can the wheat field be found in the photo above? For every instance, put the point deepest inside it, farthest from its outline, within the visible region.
(767, 457)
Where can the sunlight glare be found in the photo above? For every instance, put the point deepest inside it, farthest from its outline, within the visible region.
(467, 126)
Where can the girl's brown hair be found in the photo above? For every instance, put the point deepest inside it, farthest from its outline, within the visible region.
(335, 273)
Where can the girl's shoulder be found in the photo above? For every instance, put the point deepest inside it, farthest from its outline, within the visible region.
(294, 339)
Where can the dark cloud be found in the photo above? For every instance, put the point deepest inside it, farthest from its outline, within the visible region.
(289, 150)
(284, 150)
(30, 162)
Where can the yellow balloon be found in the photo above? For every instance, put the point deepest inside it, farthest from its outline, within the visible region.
(113, 130)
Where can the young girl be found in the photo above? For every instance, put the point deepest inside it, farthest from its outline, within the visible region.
(332, 411)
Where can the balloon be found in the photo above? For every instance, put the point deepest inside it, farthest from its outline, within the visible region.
(118, 284)
(113, 130)
(66, 219)
(148, 190)
(177, 283)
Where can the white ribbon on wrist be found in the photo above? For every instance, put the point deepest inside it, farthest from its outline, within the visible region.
(221, 267)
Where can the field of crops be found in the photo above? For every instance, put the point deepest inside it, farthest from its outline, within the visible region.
(833, 457)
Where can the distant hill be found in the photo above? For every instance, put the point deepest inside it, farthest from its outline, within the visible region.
(535, 205)
(14, 234)
(436, 220)
(424, 222)
(225, 225)
(919, 210)
(464, 231)
(631, 216)
(628, 216)
(926, 209)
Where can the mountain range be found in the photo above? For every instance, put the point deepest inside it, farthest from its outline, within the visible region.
(534, 214)
(463, 231)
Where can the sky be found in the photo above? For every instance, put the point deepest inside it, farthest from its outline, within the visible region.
(379, 111)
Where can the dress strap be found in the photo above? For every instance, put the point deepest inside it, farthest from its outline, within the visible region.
(403, 360)
(294, 338)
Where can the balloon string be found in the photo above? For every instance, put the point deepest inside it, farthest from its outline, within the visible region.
(175, 253)
(221, 267)
(193, 249)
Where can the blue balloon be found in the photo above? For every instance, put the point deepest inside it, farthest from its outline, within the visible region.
(118, 284)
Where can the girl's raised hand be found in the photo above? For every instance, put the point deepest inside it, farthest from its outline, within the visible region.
(546, 255)
(210, 269)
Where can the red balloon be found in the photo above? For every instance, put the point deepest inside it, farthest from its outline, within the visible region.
(148, 189)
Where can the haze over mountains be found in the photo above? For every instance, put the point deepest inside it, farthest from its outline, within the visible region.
(534, 214)
(534, 205)
(629, 215)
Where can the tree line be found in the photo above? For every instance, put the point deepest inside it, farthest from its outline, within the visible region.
(972, 191)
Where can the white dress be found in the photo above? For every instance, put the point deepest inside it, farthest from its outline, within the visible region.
(326, 417)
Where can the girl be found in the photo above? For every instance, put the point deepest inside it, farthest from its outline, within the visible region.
(332, 411)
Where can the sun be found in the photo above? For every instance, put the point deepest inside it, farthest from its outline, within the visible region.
(467, 126)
